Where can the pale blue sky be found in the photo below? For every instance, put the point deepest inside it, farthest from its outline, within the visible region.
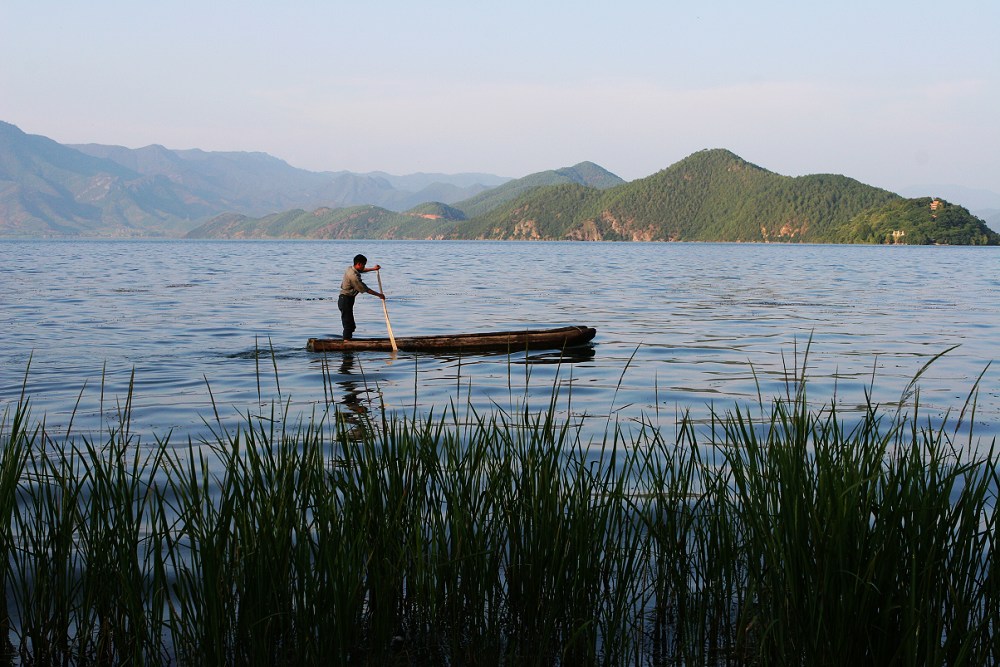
(893, 93)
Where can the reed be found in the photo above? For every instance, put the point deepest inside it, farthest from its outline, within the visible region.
(503, 538)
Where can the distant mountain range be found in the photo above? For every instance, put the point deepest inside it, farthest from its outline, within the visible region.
(53, 190)
(712, 195)
(430, 220)
(49, 189)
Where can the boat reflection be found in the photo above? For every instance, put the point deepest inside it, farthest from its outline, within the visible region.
(347, 389)
(573, 355)
(353, 422)
(570, 355)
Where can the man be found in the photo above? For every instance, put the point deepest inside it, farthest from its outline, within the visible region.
(350, 287)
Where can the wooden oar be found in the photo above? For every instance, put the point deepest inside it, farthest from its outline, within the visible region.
(385, 309)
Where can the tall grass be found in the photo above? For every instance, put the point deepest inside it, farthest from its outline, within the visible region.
(502, 538)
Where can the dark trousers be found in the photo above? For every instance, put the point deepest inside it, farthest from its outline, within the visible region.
(346, 305)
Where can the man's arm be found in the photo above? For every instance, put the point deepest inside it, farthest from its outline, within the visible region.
(367, 289)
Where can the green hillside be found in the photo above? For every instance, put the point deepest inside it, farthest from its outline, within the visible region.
(435, 210)
(545, 213)
(715, 195)
(918, 221)
(584, 173)
(355, 222)
(712, 195)
(428, 220)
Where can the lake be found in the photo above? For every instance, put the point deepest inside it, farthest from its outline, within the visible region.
(681, 328)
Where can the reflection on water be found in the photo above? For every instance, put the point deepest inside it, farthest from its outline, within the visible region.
(680, 328)
(354, 396)
(573, 355)
(355, 401)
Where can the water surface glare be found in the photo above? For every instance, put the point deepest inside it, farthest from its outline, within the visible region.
(681, 328)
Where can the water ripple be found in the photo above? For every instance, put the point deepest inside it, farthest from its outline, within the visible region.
(681, 327)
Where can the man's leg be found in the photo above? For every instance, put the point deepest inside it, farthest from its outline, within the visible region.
(346, 305)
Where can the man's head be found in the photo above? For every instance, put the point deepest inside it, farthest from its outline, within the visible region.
(360, 261)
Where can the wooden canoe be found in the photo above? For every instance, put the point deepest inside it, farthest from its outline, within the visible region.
(499, 341)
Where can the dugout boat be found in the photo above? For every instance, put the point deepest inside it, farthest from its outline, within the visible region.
(497, 341)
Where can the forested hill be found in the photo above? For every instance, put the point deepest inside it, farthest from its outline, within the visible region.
(919, 221)
(584, 173)
(714, 195)
(431, 220)
(354, 222)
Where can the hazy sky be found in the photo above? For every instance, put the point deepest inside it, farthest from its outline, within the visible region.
(893, 93)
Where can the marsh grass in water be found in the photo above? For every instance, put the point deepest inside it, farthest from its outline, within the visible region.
(503, 538)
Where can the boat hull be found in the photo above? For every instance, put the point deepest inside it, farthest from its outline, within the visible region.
(498, 341)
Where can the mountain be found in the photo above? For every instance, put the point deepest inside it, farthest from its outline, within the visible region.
(90, 190)
(47, 189)
(355, 222)
(428, 220)
(585, 173)
(919, 221)
(418, 181)
(981, 203)
(435, 210)
(258, 184)
(976, 199)
(714, 195)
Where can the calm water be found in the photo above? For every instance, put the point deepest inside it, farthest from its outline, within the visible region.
(680, 327)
